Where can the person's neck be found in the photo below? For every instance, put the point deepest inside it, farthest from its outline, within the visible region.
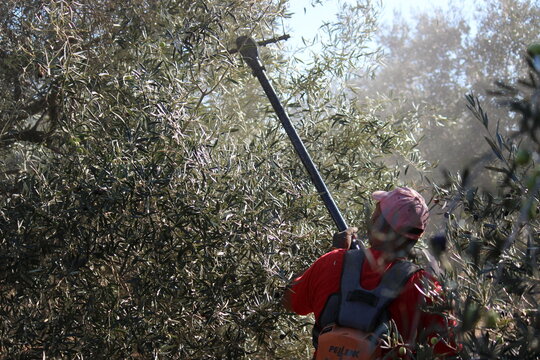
(378, 259)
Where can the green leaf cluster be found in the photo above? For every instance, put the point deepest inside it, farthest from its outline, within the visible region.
(492, 268)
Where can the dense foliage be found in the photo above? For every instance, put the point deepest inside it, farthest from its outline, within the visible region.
(152, 207)
(150, 204)
(492, 269)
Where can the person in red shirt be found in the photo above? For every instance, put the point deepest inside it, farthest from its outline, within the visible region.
(398, 221)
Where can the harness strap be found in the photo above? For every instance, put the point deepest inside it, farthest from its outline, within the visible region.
(359, 308)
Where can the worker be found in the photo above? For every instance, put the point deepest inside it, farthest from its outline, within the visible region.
(360, 292)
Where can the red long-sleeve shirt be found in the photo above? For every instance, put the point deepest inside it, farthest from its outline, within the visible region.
(309, 292)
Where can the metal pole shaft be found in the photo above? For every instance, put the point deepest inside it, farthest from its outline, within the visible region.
(302, 152)
(248, 49)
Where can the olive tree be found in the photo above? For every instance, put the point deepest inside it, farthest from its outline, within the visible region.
(492, 263)
(432, 59)
(150, 204)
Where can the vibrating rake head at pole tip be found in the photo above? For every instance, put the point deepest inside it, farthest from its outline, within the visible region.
(249, 51)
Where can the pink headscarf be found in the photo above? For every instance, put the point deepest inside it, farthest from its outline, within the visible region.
(405, 210)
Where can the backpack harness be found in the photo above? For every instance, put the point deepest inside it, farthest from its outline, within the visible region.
(357, 308)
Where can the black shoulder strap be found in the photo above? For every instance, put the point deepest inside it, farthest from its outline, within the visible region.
(364, 309)
(397, 276)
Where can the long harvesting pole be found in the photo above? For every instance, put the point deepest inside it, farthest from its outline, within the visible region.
(248, 49)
